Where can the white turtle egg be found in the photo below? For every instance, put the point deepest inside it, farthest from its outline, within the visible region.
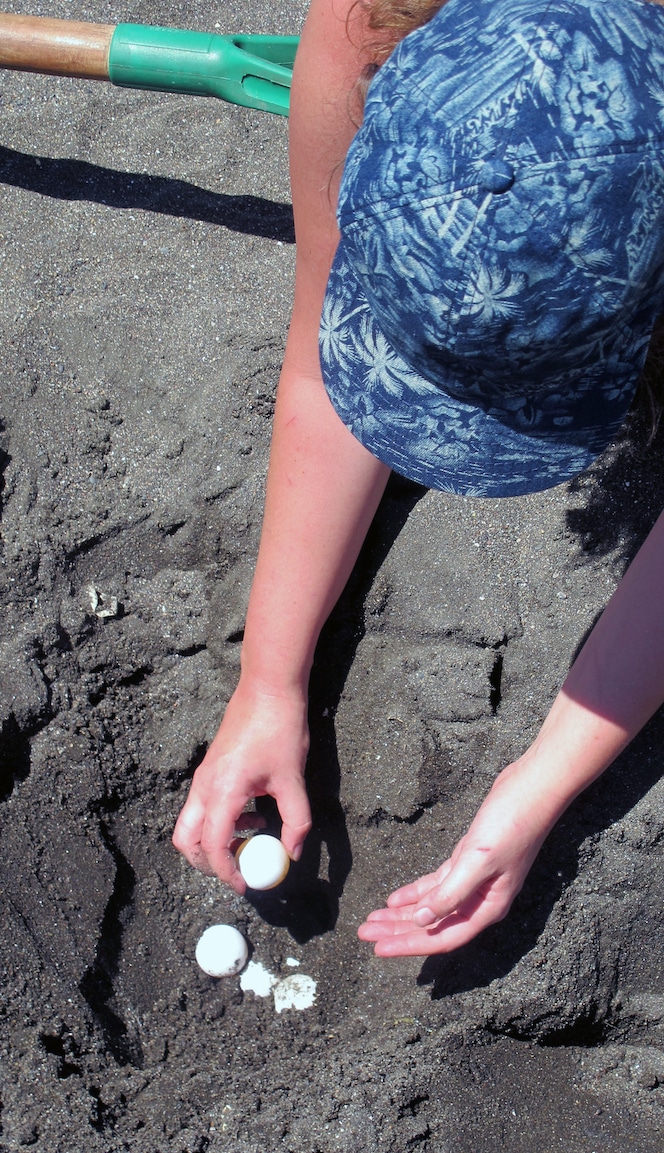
(263, 861)
(222, 951)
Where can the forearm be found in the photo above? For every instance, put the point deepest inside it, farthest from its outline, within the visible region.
(613, 688)
(323, 486)
(322, 493)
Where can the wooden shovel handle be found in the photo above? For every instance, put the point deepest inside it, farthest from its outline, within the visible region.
(57, 47)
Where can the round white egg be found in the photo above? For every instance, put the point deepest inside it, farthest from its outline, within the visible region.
(222, 951)
(263, 861)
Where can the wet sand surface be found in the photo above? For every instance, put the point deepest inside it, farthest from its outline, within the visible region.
(147, 250)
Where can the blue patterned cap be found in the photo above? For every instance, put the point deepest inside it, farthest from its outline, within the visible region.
(501, 261)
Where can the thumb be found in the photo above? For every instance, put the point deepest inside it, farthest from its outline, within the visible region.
(296, 819)
(462, 882)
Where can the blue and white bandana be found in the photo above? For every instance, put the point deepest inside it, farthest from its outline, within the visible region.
(501, 261)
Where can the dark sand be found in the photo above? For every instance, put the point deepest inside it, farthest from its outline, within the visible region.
(147, 253)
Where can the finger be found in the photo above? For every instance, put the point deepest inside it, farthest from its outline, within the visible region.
(185, 840)
(200, 862)
(402, 914)
(386, 922)
(296, 819)
(424, 942)
(412, 893)
(217, 836)
(221, 858)
(430, 942)
(466, 881)
(405, 939)
(187, 831)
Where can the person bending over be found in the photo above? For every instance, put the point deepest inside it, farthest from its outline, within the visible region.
(474, 299)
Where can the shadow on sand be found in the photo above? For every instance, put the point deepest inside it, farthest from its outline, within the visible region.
(79, 180)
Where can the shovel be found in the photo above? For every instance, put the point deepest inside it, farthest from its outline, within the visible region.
(254, 71)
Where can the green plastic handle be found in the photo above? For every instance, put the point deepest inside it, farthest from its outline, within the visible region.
(254, 71)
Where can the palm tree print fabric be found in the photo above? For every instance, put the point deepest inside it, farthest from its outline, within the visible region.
(501, 261)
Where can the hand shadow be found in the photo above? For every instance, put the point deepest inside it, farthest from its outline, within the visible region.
(307, 904)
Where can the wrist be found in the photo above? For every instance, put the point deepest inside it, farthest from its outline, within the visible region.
(273, 679)
(534, 791)
(277, 652)
(575, 745)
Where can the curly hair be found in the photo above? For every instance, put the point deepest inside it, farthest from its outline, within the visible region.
(389, 21)
(394, 19)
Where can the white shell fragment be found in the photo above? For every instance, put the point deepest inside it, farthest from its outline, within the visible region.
(222, 951)
(257, 979)
(296, 992)
(263, 861)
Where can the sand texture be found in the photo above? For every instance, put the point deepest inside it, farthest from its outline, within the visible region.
(147, 266)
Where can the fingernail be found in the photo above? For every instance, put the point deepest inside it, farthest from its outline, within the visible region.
(424, 917)
(297, 853)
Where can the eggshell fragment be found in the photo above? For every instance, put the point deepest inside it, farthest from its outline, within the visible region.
(257, 979)
(295, 992)
(222, 951)
(263, 861)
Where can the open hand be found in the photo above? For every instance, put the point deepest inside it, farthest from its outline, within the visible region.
(475, 887)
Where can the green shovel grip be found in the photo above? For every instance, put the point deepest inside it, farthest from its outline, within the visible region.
(254, 71)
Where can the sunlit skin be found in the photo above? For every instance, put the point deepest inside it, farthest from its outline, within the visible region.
(323, 490)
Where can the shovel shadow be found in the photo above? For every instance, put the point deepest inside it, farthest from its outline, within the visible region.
(80, 180)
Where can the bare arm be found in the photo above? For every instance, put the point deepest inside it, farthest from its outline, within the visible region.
(613, 688)
(323, 489)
